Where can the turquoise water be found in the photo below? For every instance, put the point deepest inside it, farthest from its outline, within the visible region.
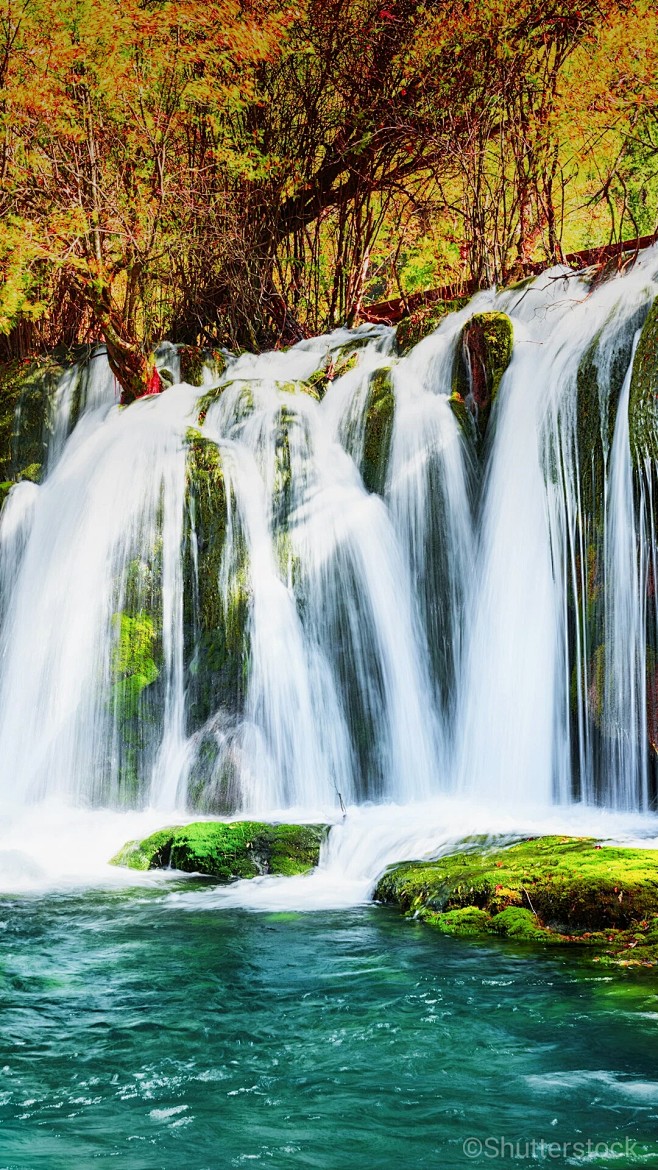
(141, 1035)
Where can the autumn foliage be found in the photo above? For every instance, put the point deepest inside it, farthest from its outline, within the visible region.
(244, 173)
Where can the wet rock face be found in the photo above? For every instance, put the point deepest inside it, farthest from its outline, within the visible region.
(25, 409)
(643, 404)
(484, 355)
(215, 620)
(378, 430)
(228, 852)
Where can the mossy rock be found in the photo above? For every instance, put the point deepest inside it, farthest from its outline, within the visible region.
(245, 404)
(424, 321)
(228, 852)
(146, 854)
(523, 283)
(25, 397)
(215, 621)
(135, 678)
(643, 408)
(135, 661)
(597, 397)
(380, 413)
(550, 889)
(207, 504)
(463, 416)
(515, 922)
(589, 436)
(334, 366)
(194, 360)
(481, 359)
(466, 920)
(310, 387)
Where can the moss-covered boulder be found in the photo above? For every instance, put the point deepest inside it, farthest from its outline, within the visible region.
(549, 889)
(228, 851)
(481, 359)
(380, 413)
(643, 404)
(423, 321)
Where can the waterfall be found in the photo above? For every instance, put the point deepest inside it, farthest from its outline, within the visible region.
(322, 578)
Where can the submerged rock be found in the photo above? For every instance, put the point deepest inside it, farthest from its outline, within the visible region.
(228, 851)
(551, 889)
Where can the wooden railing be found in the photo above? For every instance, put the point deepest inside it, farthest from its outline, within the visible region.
(390, 312)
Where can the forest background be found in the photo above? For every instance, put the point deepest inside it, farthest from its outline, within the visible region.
(244, 173)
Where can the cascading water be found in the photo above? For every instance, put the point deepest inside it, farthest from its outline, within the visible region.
(303, 584)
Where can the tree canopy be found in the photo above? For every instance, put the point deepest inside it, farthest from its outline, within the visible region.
(243, 173)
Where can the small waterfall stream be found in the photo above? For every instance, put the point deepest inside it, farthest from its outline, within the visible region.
(304, 585)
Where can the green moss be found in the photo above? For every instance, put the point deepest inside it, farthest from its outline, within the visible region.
(207, 505)
(135, 677)
(216, 615)
(643, 413)
(601, 373)
(424, 321)
(133, 665)
(525, 282)
(549, 889)
(147, 854)
(487, 342)
(335, 366)
(25, 408)
(515, 922)
(32, 473)
(589, 436)
(194, 360)
(380, 414)
(307, 387)
(245, 403)
(468, 920)
(228, 852)
(463, 416)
